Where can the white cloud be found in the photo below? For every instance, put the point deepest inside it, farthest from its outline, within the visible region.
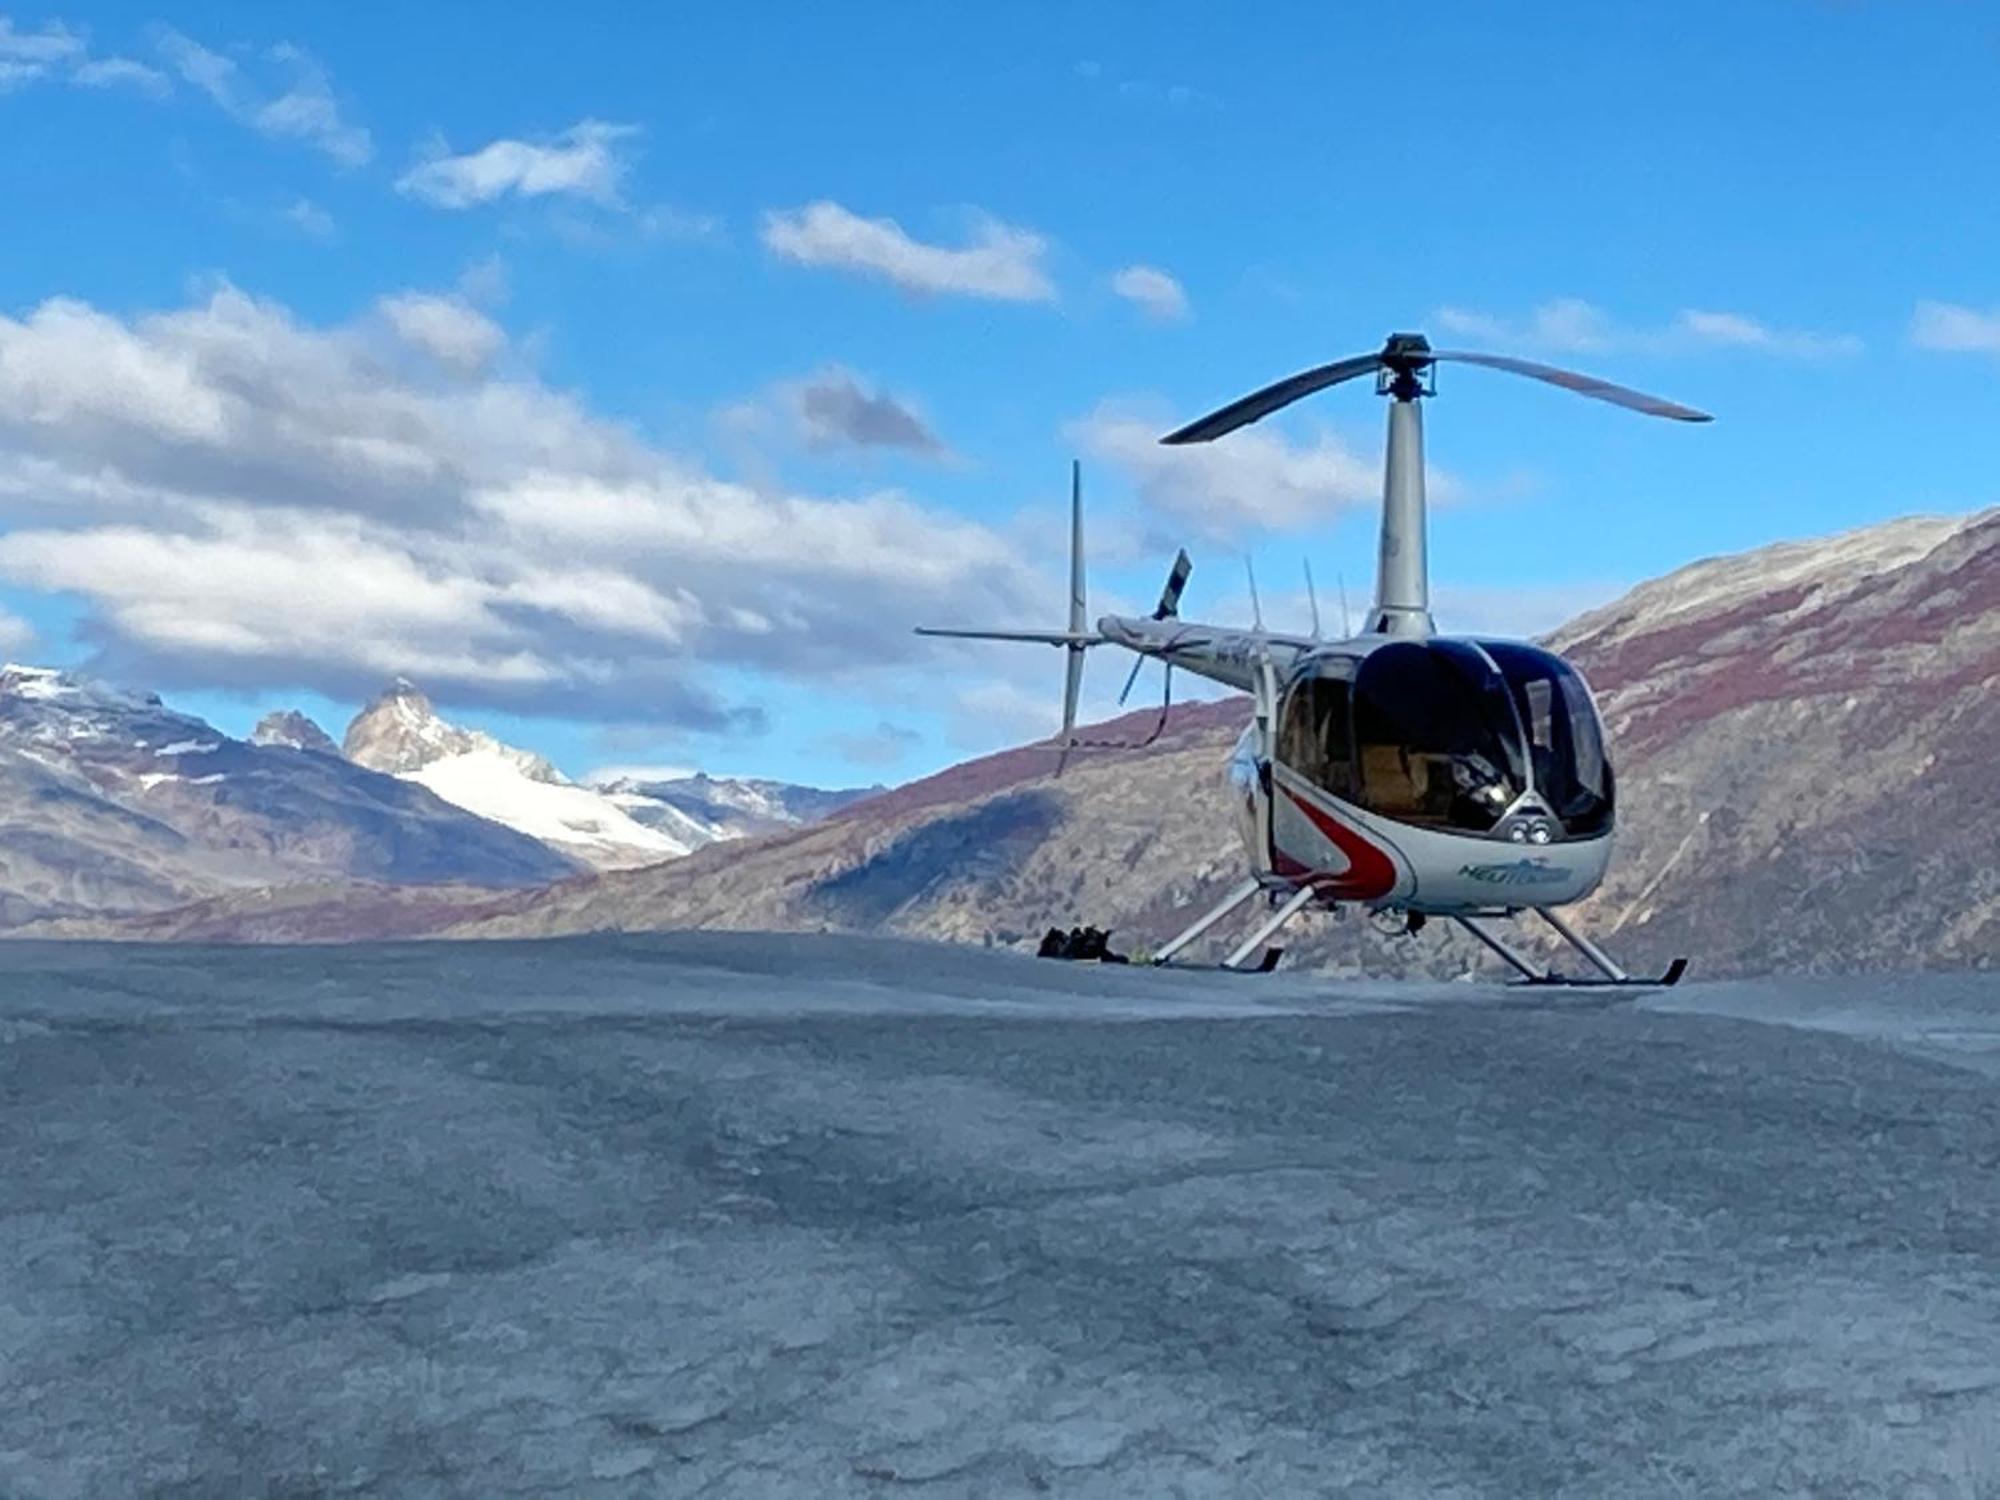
(243, 500)
(581, 162)
(306, 111)
(16, 634)
(211, 72)
(1570, 325)
(121, 72)
(1733, 330)
(309, 219)
(1157, 294)
(1257, 478)
(1001, 262)
(449, 329)
(51, 43)
(1952, 328)
(26, 56)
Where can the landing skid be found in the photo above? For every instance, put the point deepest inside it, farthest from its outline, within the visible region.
(1608, 975)
(1665, 981)
(1237, 961)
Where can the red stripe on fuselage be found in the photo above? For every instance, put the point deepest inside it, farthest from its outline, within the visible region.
(1370, 874)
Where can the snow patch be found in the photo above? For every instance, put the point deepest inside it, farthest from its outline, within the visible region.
(493, 782)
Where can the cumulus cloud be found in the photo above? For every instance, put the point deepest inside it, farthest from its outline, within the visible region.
(245, 500)
(1255, 479)
(1156, 293)
(1952, 328)
(306, 111)
(1001, 262)
(583, 161)
(1570, 325)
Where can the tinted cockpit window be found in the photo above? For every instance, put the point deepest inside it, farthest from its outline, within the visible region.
(1435, 737)
(1314, 738)
(1564, 740)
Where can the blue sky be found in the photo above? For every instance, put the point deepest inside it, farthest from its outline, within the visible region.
(634, 377)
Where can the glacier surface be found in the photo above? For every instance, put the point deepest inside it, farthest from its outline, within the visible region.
(735, 1215)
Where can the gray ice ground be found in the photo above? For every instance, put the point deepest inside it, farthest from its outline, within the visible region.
(743, 1216)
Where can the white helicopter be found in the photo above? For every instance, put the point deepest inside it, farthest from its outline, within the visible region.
(1398, 770)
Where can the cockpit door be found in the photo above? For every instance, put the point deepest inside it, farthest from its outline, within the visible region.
(1315, 737)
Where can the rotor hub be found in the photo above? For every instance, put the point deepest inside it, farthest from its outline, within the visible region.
(1405, 369)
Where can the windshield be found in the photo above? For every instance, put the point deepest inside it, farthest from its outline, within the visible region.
(1565, 742)
(1435, 737)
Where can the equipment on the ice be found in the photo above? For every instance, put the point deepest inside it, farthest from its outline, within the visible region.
(1080, 945)
(1397, 769)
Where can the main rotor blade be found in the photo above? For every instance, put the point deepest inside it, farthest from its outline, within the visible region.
(1262, 403)
(1583, 385)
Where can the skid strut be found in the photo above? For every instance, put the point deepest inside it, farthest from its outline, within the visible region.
(1238, 894)
(1599, 959)
(1292, 907)
(1527, 970)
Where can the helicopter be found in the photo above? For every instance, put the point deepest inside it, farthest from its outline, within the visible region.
(1397, 770)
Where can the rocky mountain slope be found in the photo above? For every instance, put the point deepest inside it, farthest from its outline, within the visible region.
(1810, 736)
(111, 803)
(1808, 739)
(1806, 742)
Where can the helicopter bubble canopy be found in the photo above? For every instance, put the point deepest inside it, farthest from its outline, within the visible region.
(1491, 739)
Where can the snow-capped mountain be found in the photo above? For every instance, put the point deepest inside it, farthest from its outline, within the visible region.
(402, 734)
(701, 809)
(614, 823)
(111, 802)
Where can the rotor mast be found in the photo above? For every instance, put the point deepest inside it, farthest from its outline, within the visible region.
(1402, 575)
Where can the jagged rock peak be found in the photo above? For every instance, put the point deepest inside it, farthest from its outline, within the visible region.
(401, 732)
(289, 727)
